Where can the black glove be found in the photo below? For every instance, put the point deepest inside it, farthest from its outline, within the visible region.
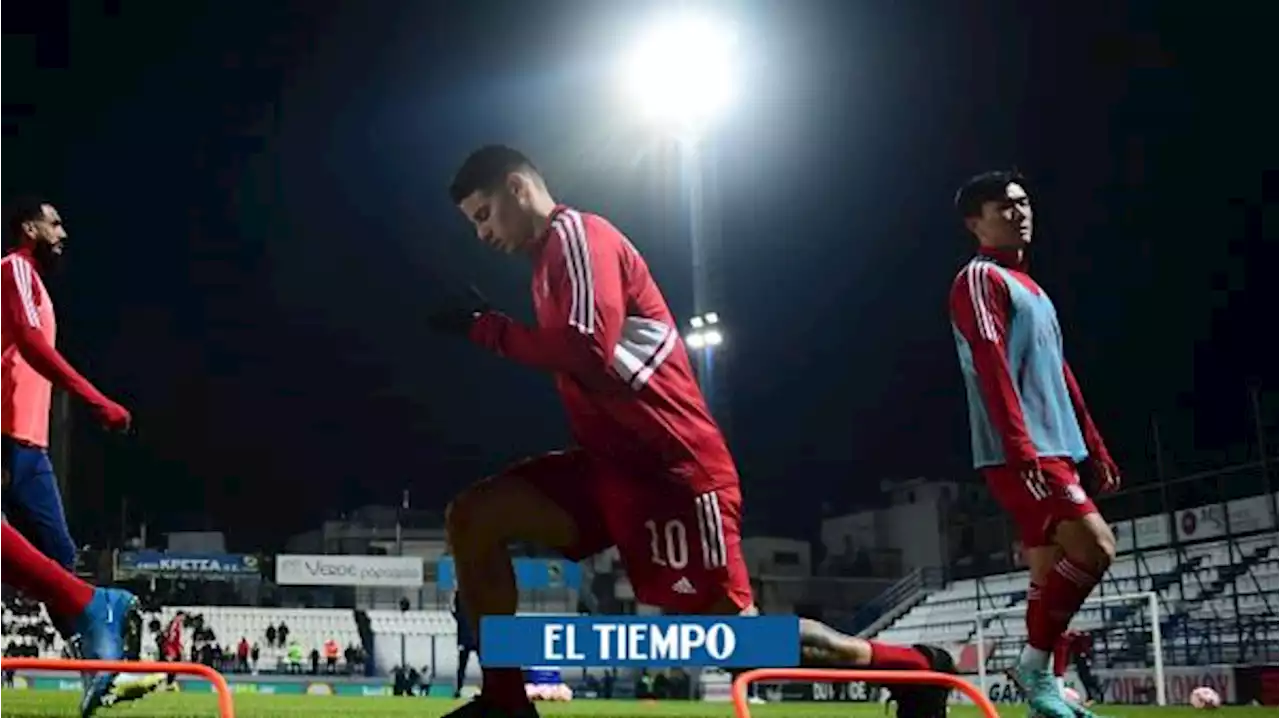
(458, 317)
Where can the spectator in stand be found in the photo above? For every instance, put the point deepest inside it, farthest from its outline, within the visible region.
(331, 650)
(242, 655)
(315, 661)
(295, 658)
(10, 651)
(644, 685)
(661, 686)
(271, 636)
(254, 653)
(349, 657)
(467, 644)
(680, 685)
(283, 633)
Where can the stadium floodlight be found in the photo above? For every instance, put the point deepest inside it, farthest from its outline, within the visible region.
(706, 333)
(680, 74)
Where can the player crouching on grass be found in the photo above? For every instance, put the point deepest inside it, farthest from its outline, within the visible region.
(652, 473)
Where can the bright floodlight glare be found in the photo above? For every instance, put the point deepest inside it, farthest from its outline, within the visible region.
(695, 340)
(696, 322)
(681, 74)
(713, 338)
(711, 317)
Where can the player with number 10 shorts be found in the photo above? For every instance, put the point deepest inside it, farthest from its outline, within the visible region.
(650, 474)
(676, 529)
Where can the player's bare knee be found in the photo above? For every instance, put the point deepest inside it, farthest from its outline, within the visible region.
(1103, 544)
(1104, 552)
(1040, 561)
(1090, 542)
(462, 517)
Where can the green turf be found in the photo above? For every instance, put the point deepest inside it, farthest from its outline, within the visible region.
(54, 704)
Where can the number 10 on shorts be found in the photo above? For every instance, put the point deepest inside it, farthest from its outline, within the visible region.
(668, 545)
(669, 540)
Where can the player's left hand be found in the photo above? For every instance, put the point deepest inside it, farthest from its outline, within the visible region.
(1105, 472)
(113, 416)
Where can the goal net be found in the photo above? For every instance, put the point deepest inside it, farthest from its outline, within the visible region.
(1125, 631)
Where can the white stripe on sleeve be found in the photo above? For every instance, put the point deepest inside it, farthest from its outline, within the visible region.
(26, 291)
(976, 273)
(577, 256)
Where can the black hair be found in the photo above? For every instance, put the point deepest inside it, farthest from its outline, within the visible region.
(22, 210)
(485, 169)
(986, 187)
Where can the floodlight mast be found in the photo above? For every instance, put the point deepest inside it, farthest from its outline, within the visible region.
(680, 77)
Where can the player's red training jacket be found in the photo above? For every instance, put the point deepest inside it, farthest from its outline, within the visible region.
(984, 314)
(620, 364)
(25, 340)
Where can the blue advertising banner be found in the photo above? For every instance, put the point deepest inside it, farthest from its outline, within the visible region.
(199, 565)
(531, 573)
(648, 641)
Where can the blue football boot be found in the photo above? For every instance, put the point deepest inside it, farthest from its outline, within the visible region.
(110, 630)
(1040, 690)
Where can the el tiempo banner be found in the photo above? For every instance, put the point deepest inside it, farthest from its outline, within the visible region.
(640, 641)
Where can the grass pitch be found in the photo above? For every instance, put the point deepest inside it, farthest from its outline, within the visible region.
(56, 704)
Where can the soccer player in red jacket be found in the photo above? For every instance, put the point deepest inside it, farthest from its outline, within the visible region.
(1029, 423)
(651, 473)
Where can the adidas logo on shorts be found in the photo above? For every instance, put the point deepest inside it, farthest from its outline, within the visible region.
(683, 586)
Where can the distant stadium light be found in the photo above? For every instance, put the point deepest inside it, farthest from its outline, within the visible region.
(704, 336)
(681, 73)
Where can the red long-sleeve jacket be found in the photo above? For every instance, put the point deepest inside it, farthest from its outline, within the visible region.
(621, 369)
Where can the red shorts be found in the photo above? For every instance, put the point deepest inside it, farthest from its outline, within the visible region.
(1038, 507)
(681, 546)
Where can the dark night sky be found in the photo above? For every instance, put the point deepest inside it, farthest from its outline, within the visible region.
(255, 196)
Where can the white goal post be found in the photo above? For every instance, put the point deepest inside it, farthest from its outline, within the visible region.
(1153, 609)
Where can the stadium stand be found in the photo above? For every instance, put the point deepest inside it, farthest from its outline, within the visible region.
(1218, 604)
(428, 638)
(308, 627)
(28, 631)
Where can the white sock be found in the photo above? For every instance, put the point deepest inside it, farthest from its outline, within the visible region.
(1033, 658)
(1062, 684)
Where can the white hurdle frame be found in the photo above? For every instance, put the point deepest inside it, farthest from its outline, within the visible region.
(1153, 608)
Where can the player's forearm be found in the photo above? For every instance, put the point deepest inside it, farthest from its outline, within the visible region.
(49, 364)
(1092, 437)
(1000, 398)
(564, 350)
